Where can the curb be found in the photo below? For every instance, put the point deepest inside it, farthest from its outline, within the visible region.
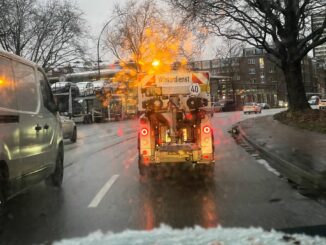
(306, 180)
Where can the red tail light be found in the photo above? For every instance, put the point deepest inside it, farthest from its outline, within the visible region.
(144, 131)
(206, 130)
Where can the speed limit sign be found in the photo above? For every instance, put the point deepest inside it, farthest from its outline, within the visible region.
(194, 89)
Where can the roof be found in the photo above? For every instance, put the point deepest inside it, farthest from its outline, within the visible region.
(18, 58)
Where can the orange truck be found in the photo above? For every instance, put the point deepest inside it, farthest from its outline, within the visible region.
(175, 120)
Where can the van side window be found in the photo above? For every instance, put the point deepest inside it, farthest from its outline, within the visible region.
(27, 94)
(48, 100)
(7, 85)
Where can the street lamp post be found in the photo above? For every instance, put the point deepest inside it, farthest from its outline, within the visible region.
(98, 46)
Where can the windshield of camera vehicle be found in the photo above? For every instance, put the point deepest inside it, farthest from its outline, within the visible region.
(186, 115)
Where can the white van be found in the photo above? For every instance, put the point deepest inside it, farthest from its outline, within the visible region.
(31, 147)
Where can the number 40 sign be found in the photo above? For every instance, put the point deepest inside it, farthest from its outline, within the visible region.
(194, 89)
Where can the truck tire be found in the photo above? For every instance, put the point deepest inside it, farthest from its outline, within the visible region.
(55, 179)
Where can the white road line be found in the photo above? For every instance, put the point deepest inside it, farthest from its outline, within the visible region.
(268, 167)
(99, 196)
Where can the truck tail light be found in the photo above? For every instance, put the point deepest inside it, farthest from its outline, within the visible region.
(206, 129)
(144, 131)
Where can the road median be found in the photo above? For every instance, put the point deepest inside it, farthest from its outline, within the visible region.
(297, 154)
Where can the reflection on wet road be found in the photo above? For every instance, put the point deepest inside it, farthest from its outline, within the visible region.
(102, 190)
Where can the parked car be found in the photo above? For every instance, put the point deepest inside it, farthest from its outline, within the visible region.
(69, 128)
(217, 107)
(102, 86)
(264, 105)
(31, 147)
(314, 100)
(322, 104)
(251, 107)
(85, 88)
(230, 105)
(64, 87)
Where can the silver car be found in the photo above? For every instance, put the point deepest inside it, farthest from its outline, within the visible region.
(69, 129)
(31, 143)
(85, 88)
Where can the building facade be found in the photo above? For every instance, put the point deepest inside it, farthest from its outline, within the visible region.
(317, 20)
(252, 77)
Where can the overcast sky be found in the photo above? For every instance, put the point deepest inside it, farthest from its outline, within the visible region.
(98, 12)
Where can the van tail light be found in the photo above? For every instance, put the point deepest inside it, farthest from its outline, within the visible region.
(206, 129)
(144, 131)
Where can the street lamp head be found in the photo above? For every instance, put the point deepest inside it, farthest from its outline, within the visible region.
(156, 63)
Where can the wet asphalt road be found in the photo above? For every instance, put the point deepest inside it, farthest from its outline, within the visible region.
(103, 191)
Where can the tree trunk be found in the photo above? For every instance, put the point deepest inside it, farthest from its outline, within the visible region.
(295, 87)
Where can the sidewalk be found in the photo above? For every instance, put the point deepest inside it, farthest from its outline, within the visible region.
(298, 154)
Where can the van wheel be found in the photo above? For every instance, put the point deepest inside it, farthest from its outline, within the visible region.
(55, 179)
(73, 138)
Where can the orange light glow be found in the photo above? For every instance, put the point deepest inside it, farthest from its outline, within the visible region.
(155, 63)
(162, 49)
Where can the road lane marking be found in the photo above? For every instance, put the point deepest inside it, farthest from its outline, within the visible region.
(268, 167)
(99, 196)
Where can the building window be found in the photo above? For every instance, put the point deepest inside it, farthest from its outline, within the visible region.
(252, 71)
(249, 51)
(272, 69)
(251, 61)
(253, 80)
(261, 63)
(235, 62)
(236, 78)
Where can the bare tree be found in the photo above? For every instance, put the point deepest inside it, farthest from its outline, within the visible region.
(229, 48)
(47, 33)
(229, 53)
(141, 34)
(16, 24)
(281, 27)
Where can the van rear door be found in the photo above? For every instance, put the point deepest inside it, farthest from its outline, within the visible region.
(30, 125)
(9, 119)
